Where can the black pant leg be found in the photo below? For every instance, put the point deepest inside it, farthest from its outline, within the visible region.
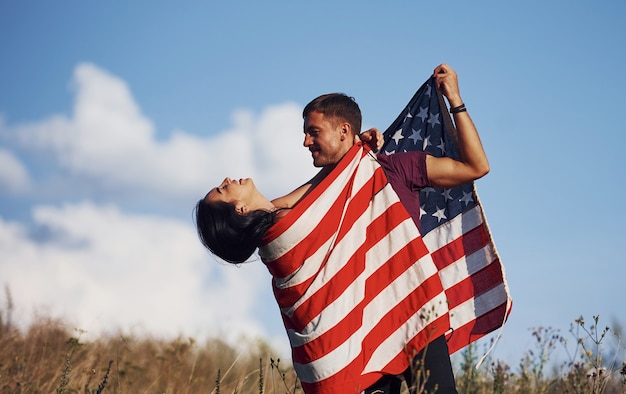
(388, 384)
(436, 360)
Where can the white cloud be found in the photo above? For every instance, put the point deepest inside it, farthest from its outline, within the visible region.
(109, 140)
(13, 174)
(106, 271)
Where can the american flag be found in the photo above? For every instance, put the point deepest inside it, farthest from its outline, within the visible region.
(358, 290)
(453, 223)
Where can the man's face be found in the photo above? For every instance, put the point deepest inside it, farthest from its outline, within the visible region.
(327, 139)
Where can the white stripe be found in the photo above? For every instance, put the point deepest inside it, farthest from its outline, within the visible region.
(478, 306)
(332, 362)
(453, 229)
(466, 266)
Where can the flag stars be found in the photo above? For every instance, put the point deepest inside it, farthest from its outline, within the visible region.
(408, 116)
(446, 194)
(423, 114)
(433, 119)
(422, 211)
(397, 136)
(416, 135)
(440, 214)
(467, 198)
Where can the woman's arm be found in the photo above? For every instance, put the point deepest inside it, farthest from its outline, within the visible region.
(291, 199)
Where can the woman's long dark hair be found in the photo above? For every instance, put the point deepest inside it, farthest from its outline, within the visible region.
(229, 235)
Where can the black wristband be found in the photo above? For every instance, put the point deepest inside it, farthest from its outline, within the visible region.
(456, 110)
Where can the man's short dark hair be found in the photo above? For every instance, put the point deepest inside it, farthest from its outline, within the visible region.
(337, 106)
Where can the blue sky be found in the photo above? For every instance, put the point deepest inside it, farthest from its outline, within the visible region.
(115, 118)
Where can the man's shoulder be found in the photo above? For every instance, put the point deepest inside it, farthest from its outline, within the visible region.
(400, 157)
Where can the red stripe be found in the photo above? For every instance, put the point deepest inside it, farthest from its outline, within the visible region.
(349, 381)
(474, 285)
(476, 329)
(464, 245)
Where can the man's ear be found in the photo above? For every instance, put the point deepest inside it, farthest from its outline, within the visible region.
(240, 207)
(346, 130)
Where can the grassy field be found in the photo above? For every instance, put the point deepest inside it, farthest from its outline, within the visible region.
(49, 357)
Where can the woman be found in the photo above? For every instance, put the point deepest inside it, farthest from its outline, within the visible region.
(233, 217)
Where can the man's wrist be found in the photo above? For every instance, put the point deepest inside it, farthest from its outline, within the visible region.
(455, 101)
(458, 109)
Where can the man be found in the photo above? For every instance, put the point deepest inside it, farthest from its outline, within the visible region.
(332, 125)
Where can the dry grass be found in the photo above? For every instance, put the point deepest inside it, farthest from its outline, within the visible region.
(48, 357)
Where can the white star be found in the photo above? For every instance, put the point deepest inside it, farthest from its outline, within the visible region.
(433, 119)
(416, 135)
(422, 211)
(446, 194)
(426, 143)
(397, 136)
(467, 198)
(440, 214)
(423, 114)
(390, 152)
(407, 116)
(428, 90)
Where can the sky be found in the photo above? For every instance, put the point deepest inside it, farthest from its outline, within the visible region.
(116, 117)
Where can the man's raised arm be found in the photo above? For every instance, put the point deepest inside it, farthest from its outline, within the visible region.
(473, 164)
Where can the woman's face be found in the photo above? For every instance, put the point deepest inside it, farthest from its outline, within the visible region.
(232, 191)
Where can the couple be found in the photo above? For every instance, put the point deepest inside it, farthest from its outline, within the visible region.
(360, 297)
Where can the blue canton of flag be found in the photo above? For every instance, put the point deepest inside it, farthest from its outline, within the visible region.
(420, 128)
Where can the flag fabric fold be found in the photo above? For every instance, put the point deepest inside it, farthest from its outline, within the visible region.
(358, 290)
(453, 224)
